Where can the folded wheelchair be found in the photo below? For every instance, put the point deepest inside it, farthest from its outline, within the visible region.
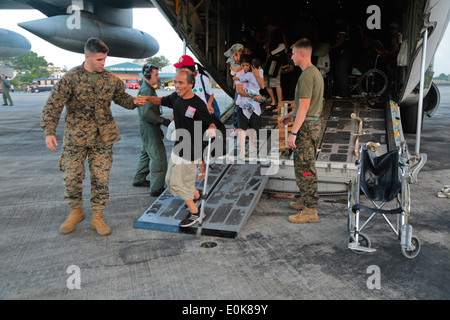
(381, 179)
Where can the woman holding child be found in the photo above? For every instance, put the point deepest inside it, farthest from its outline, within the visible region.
(248, 83)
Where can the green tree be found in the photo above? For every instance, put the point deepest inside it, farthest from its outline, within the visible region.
(8, 62)
(30, 60)
(159, 62)
(34, 67)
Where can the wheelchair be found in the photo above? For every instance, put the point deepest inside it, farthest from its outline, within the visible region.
(381, 180)
(370, 85)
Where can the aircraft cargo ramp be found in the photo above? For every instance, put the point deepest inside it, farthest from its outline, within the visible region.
(233, 192)
(346, 124)
(235, 188)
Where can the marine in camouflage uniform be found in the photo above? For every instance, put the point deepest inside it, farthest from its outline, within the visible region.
(305, 162)
(90, 132)
(305, 132)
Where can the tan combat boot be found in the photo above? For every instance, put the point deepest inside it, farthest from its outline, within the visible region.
(308, 215)
(297, 205)
(76, 215)
(99, 224)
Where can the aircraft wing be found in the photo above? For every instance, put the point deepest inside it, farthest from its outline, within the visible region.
(14, 5)
(58, 6)
(436, 19)
(71, 22)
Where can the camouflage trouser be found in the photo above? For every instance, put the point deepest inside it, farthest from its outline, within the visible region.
(305, 162)
(71, 164)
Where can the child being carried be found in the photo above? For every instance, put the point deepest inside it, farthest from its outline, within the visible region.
(253, 89)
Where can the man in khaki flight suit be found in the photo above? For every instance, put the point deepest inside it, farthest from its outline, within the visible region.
(6, 86)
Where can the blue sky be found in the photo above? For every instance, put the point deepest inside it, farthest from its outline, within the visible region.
(442, 59)
(152, 22)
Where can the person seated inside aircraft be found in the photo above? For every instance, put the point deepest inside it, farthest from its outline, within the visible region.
(322, 62)
(343, 53)
(249, 110)
(390, 52)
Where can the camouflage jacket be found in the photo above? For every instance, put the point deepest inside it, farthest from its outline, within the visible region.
(89, 120)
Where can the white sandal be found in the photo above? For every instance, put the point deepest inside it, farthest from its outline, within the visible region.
(444, 193)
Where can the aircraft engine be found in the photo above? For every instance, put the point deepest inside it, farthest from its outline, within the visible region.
(63, 32)
(13, 44)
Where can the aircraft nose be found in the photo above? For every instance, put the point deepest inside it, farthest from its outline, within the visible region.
(39, 28)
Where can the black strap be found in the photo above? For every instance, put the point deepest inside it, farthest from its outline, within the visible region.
(380, 211)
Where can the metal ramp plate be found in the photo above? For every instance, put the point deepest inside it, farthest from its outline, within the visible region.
(234, 191)
(166, 212)
(339, 140)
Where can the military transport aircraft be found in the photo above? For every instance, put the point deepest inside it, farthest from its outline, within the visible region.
(210, 27)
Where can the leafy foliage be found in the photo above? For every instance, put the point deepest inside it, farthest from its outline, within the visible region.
(31, 65)
(159, 61)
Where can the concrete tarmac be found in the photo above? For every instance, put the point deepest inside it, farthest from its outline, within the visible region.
(271, 259)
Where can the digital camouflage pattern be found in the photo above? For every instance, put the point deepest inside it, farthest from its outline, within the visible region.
(89, 120)
(90, 130)
(305, 162)
(71, 163)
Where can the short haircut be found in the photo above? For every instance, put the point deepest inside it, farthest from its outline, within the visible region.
(189, 75)
(302, 44)
(95, 45)
(147, 70)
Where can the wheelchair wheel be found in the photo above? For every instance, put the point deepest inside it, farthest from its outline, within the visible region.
(351, 214)
(373, 83)
(364, 241)
(351, 201)
(413, 253)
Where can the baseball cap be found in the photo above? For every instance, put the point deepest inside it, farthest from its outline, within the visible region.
(184, 61)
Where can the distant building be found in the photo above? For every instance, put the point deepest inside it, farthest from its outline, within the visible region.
(126, 71)
(7, 71)
(55, 72)
(167, 74)
(129, 70)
